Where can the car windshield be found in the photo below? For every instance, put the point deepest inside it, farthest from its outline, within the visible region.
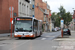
(23, 26)
(65, 30)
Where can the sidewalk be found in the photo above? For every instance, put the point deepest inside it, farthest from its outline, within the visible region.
(5, 36)
(67, 42)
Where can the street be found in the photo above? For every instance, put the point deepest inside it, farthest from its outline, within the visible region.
(49, 36)
(45, 42)
(37, 25)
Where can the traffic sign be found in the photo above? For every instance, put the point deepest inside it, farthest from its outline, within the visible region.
(33, 15)
(62, 21)
(11, 8)
(11, 17)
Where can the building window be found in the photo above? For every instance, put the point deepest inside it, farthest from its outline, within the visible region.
(44, 19)
(27, 10)
(24, 8)
(20, 2)
(27, 1)
(27, 6)
(19, 6)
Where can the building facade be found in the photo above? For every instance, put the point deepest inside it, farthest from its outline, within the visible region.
(42, 12)
(22, 8)
(72, 23)
(5, 14)
(26, 8)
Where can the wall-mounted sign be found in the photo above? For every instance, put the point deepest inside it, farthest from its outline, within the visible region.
(15, 14)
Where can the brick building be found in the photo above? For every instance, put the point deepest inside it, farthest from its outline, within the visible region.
(42, 11)
(73, 22)
(38, 12)
(22, 8)
(5, 14)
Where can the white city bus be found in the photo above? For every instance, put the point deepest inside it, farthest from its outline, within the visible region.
(27, 27)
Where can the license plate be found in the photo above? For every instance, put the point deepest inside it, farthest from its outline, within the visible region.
(65, 33)
(23, 36)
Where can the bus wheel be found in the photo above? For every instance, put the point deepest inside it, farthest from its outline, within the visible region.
(35, 35)
(19, 37)
(40, 34)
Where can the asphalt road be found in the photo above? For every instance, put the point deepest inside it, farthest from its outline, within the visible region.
(49, 36)
(45, 42)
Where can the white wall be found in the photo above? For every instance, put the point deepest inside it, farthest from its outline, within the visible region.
(32, 10)
(23, 8)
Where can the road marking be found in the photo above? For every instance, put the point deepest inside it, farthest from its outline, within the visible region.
(50, 36)
(19, 45)
(64, 39)
(43, 38)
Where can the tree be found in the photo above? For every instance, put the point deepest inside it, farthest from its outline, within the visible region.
(55, 19)
(66, 16)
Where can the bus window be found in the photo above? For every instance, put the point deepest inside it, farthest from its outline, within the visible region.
(35, 25)
(23, 26)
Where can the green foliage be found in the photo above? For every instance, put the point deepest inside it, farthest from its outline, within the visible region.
(55, 19)
(66, 16)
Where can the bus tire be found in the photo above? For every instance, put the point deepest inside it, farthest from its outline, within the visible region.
(40, 34)
(19, 37)
(34, 36)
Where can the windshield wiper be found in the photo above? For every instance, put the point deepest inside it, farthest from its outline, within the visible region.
(30, 30)
(27, 30)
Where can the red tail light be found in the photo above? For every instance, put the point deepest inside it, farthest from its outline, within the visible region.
(68, 31)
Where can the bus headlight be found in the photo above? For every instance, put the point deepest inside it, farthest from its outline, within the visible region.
(31, 34)
(16, 34)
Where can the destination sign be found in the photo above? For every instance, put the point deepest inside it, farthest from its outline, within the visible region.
(23, 19)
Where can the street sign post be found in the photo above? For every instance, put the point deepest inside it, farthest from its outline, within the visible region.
(62, 23)
(62, 26)
(11, 17)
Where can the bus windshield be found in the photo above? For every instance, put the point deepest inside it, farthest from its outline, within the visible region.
(23, 25)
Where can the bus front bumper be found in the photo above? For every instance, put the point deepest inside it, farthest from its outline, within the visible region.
(23, 35)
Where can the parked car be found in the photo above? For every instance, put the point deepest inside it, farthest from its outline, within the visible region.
(66, 31)
(55, 29)
(59, 28)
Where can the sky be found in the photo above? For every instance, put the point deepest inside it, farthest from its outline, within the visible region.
(67, 4)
